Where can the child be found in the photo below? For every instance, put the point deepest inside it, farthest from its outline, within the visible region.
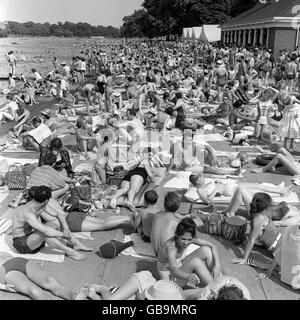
(290, 127)
(145, 216)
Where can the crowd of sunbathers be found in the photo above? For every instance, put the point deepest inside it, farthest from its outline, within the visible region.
(110, 98)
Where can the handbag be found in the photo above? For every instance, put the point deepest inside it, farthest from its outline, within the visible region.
(16, 177)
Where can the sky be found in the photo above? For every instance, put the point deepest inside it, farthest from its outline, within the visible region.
(95, 12)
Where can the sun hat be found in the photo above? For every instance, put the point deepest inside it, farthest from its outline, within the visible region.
(164, 290)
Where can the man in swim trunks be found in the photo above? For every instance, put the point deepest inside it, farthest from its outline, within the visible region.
(30, 234)
(164, 224)
(133, 129)
(221, 75)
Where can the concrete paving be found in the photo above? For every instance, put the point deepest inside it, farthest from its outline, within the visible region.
(115, 271)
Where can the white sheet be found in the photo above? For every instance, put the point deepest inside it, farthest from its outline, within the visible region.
(46, 253)
(140, 249)
(181, 181)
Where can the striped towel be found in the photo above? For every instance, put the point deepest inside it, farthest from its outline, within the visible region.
(5, 224)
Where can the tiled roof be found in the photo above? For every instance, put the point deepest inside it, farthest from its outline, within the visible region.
(261, 12)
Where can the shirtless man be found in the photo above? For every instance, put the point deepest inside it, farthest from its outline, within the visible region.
(30, 234)
(90, 92)
(12, 60)
(164, 224)
(197, 158)
(197, 268)
(135, 128)
(86, 139)
(221, 75)
(102, 157)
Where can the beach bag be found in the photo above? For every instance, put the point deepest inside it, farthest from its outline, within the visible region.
(15, 177)
(83, 193)
(214, 224)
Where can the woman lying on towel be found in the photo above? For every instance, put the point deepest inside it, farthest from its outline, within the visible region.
(133, 182)
(284, 158)
(196, 157)
(240, 193)
(264, 229)
(28, 277)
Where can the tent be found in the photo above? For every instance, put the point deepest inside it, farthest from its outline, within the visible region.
(185, 32)
(196, 33)
(210, 33)
(189, 33)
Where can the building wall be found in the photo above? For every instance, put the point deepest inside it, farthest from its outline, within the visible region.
(272, 37)
(285, 38)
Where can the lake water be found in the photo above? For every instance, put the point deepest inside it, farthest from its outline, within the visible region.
(43, 48)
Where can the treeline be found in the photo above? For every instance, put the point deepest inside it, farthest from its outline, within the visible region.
(166, 17)
(66, 29)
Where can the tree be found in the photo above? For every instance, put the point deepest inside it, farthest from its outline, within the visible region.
(66, 29)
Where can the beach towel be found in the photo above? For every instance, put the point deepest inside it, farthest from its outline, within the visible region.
(290, 257)
(140, 249)
(181, 181)
(45, 254)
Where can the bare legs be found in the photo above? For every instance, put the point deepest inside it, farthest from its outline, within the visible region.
(244, 194)
(283, 157)
(95, 224)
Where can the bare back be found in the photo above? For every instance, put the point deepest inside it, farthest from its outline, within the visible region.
(163, 228)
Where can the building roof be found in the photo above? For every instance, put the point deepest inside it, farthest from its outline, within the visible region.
(2, 25)
(266, 12)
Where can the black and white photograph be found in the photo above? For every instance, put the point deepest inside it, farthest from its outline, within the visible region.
(149, 150)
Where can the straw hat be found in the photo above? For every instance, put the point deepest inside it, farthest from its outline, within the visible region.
(164, 290)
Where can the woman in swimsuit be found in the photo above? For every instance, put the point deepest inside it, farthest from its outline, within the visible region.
(263, 229)
(196, 268)
(132, 183)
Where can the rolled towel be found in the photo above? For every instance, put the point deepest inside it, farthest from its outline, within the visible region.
(111, 249)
